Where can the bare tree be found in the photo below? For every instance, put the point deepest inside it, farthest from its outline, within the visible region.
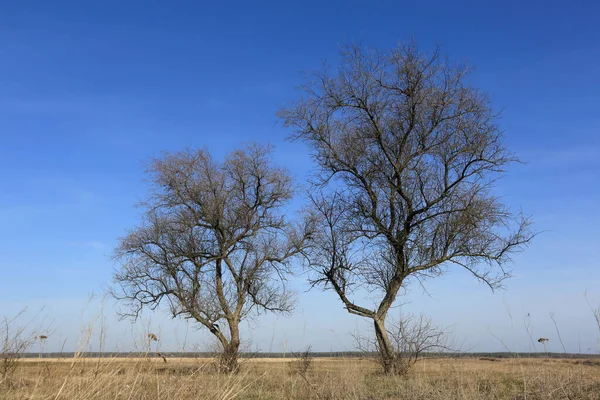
(408, 154)
(214, 243)
(16, 337)
(411, 337)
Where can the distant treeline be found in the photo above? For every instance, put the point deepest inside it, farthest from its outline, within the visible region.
(338, 354)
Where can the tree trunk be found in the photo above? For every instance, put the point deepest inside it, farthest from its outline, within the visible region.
(228, 359)
(387, 355)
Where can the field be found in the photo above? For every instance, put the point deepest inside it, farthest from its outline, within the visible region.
(326, 378)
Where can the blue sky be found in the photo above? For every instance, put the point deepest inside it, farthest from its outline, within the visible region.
(88, 91)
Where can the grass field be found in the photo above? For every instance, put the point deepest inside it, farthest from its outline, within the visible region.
(327, 378)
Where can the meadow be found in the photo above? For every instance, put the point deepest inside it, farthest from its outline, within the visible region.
(294, 378)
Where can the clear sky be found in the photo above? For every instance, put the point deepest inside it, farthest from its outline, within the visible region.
(89, 90)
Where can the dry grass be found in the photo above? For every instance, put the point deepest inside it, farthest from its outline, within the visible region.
(338, 378)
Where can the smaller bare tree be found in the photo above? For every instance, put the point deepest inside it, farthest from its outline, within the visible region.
(214, 244)
(303, 362)
(15, 339)
(412, 337)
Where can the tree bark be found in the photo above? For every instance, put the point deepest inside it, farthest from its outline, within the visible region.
(228, 359)
(387, 354)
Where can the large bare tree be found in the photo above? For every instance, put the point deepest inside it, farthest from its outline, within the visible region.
(408, 153)
(214, 243)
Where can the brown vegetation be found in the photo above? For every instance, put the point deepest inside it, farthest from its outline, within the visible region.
(329, 378)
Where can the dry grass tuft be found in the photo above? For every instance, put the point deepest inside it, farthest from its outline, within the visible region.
(333, 378)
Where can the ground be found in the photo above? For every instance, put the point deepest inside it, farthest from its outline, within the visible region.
(327, 378)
